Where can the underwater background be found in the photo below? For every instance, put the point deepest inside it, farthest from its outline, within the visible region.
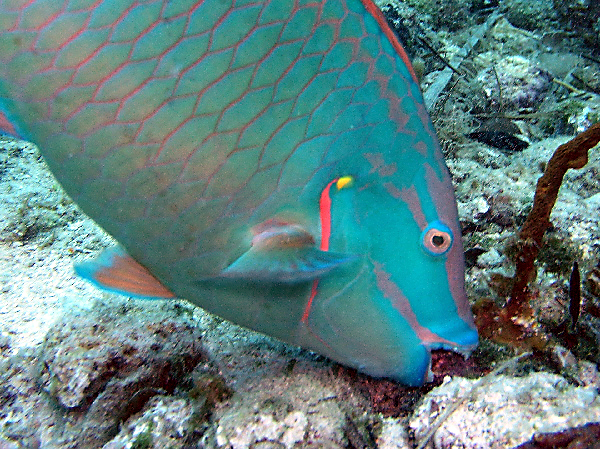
(507, 83)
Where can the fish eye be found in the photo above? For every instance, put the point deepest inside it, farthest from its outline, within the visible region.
(436, 238)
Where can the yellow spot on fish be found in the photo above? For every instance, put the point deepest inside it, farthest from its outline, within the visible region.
(344, 181)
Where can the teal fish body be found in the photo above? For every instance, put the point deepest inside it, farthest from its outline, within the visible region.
(269, 161)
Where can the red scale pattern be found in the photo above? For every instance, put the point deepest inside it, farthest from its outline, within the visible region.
(130, 100)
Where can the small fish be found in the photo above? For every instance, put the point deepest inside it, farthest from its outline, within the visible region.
(574, 295)
(270, 161)
(499, 139)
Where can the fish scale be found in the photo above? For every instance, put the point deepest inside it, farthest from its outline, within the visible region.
(209, 138)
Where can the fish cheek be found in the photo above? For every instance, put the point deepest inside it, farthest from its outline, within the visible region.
(361, 328)
(350, 320)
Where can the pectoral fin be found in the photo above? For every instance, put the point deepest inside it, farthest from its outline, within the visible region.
(284, 253)
(116, 271)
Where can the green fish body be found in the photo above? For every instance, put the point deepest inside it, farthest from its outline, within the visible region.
(270, 161)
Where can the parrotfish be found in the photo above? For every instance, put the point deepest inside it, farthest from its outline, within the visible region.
(271, 161)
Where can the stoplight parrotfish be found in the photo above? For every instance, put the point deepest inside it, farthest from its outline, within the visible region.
(270, 161)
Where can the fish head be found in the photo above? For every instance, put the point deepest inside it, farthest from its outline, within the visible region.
(404, 295)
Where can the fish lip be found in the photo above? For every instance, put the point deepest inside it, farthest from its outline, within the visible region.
(464, 349)
(461, 338)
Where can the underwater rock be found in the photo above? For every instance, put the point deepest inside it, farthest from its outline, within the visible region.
(582, 17)
(531, 15)
(491, 258)
(94, 371)
(515, 81)
(26, 416)
(505, 411)
(393, 435)
(286, 412)
(87, 358)
(166, 422)
(449, 14)
(593, 281)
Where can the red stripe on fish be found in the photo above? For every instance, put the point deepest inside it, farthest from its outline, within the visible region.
(400, 302)
(389, 33)
(325, 214)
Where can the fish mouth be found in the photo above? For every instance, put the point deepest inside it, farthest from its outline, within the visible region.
(461, 338)
(463, 348)
(451, 357)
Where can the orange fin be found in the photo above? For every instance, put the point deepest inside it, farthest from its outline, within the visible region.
(116, 271)
(6, 126)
